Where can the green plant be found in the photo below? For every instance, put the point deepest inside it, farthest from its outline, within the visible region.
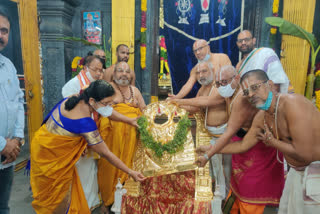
(173, 146)
(288, 28)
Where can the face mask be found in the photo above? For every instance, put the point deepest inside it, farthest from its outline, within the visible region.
(105, 111)
(205, 59)
(267, 104)
(226, 91)
(89, 76)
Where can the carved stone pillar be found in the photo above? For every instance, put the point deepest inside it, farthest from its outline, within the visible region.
(55, 22)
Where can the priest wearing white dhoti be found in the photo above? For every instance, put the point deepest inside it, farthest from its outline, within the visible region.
(289, 123)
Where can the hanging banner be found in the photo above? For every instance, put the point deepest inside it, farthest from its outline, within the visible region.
(216, 21)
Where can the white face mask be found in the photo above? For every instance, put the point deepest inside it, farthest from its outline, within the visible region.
(89, 76)
(226, 91)
(105, 111)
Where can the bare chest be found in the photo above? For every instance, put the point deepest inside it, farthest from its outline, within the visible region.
(278, 126)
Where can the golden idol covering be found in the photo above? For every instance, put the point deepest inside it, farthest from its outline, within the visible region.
(150, 165)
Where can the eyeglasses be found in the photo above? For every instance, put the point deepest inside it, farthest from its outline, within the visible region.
(223, 82)
(4, 31)
(245, 39)
(199, 49)
(96, 70)
(253, 88)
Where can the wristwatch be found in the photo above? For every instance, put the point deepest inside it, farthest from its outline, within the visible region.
(20, 140)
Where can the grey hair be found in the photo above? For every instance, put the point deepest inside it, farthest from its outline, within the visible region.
(229, 68)
(210, 65)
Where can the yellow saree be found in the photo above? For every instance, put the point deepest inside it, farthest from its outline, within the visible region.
(121, 138)
(54, 179)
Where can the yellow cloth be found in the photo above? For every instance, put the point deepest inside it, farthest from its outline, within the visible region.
(54, 178)
(121, 138)
(122, 32)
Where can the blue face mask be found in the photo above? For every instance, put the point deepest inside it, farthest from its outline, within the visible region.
(205, 59)
(267, 104)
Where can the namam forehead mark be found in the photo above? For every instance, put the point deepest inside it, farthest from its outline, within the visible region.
(249, 81)
(202, 67)
(199, 43)
(123, 66)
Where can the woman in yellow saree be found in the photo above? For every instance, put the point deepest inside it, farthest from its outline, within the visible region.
(59, 143)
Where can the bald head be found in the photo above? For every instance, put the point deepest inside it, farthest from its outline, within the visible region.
(100, 53)
(201, 48)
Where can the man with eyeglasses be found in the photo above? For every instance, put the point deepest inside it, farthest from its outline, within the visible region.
(260, 58)
(201, 50)
(290, 124)
(11, 114)
(254, 173)
(122, 53)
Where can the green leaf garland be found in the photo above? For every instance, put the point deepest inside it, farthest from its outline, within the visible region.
(173, 146)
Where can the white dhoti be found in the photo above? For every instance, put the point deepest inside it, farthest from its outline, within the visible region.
(87, 171)
(301, 194)
(220, 168)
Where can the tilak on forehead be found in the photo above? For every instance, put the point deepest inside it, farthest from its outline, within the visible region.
(245, 83)
(122, 66)
(200, 43)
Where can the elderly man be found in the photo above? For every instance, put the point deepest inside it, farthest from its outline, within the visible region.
(253, 172)
(216, 118)
(120, 137)
(92, 70)
(11, 114)
(122, 52)
(261, 58)
(276, 125)
(201, 50)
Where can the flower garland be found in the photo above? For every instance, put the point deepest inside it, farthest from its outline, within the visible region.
(163, 59)
(273, 29)
(77, 65)
(275, 13)
(143, 46)
(318, 99)
(176, 144)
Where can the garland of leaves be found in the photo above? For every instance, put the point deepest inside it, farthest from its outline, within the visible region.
(173, 146)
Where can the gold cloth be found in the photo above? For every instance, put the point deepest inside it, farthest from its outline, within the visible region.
(121, 138)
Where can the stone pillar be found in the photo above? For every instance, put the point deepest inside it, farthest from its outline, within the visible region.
(55, 22)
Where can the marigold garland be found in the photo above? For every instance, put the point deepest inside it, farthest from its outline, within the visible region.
(76, 65)
(318, 99)
(143, 47)
(275, 11)
(173, 146)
